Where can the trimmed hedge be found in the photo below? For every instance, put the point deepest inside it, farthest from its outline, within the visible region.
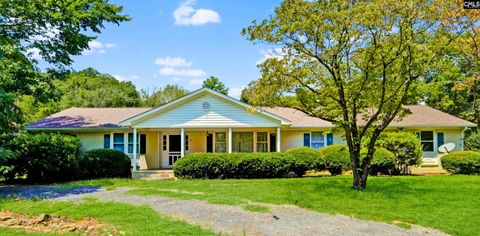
(383, 162)
(104, 163)
(306, 159)
(406, 148)
(293, 163)
(336, 157)
(42, 158)
(242, 165)
(463, 162)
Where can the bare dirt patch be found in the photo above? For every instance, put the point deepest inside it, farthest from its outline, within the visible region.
(58, 224)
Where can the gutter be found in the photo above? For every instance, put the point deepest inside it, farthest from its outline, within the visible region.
(462, 139)
(75, 129)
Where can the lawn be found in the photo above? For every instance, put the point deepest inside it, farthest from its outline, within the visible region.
(447, 203)
(130, 219)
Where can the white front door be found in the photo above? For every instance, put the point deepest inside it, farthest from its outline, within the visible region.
(171, 149)
(429, 146)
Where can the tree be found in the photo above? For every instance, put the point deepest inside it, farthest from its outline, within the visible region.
(214, 83)
(86, 88)
(54, 30)
(160, 96)
(353, 63)
(90, 88)
(453, 84)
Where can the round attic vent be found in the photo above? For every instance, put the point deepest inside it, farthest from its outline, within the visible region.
(206, 106)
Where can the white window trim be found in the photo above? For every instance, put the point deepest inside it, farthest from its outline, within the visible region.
(128, 143)
(265, 142)
(324, 138)
(113, 143)
(214, 140)
(435, 137)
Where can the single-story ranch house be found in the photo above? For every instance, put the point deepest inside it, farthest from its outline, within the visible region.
(207, 121)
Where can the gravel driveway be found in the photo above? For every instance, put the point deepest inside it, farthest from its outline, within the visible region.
(281, 220)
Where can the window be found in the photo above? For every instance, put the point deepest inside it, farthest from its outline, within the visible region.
(220, 142)
(186, 142)
(318, 140)
(118, 142)
(164, 142)
(262, 142)
(143, 143)
(426, 138)
(242, 142)
(130, 142)
(106, 141)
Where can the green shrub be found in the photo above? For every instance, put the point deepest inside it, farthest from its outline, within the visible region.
(105, 163)
(336, 157)
(41, 158)
(306, 159)
(405, 146)
(472, 142)
(242, 165)
(383, 162)
(463, 162)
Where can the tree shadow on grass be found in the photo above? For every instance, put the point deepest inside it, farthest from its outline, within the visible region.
(43, 191)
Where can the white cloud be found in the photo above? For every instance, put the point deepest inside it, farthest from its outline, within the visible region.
(194, 82)
(98, 47)
(236, 92)
(34, 53)
(94, 44)
(173, 62)
(126, 77)
(177, 79)
(185, 14)
(46, 33)
(182, 72)
(110, 45)
(271, 53)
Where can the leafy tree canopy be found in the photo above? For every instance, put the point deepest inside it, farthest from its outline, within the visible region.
(89, 88)
(214, 83)
(160, 96)
(86, 88)
(54, 29)
(354, 63)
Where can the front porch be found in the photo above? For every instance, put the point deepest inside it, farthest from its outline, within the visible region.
(161, 148)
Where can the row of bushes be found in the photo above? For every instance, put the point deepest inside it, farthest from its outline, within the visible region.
(464, 162)
(43, 158)
(295, 162)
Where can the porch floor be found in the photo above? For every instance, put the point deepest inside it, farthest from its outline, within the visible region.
(159, 174)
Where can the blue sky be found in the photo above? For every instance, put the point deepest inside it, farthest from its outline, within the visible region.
(181, 42)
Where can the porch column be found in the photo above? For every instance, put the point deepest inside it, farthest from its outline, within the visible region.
(182, 142)
(229, 140)
(134, 149)
(279, 148)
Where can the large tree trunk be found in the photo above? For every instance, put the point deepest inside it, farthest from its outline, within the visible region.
(359, 182)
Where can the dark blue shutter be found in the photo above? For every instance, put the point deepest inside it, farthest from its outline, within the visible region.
(306, 139)
(106, 141)
(440, 139)
(329, 139)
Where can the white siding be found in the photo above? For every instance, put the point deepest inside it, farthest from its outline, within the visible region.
(90, 141)
(221, 114)
(292, 138)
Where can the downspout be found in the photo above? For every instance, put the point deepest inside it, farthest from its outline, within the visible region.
(462, 142)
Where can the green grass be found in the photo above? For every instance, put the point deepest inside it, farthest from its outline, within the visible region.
(256, 208)
(130, 219)
(447, 203)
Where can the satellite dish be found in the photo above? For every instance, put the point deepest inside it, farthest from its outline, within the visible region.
(446, 148)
